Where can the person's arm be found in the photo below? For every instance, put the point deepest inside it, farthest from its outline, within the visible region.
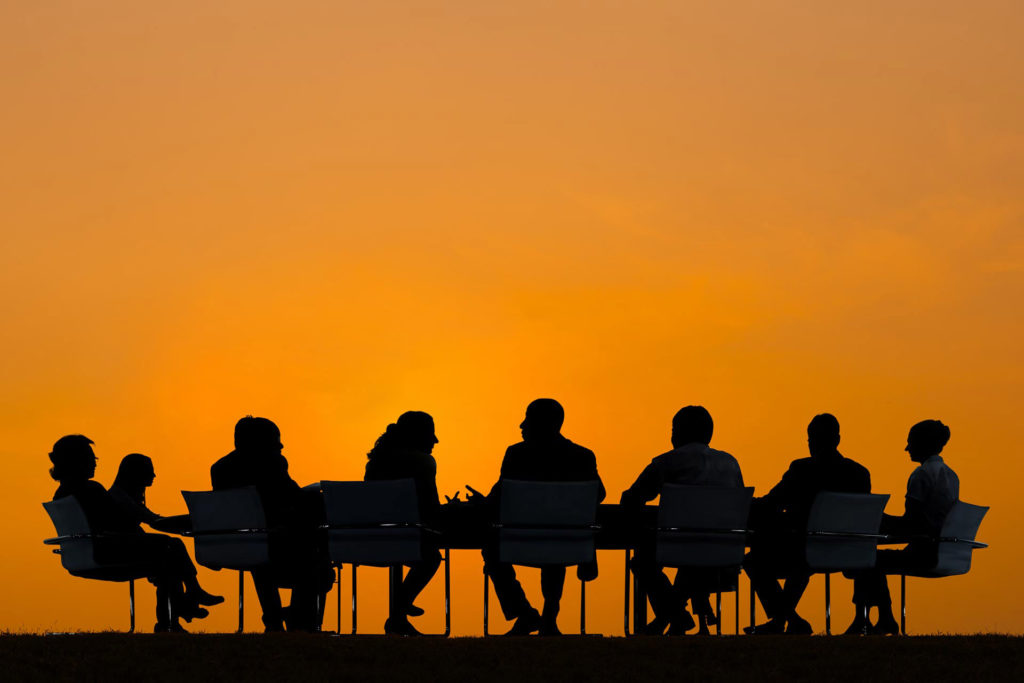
(647, 487)
(601, 493)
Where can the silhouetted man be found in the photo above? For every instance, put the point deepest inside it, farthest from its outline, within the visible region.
(297, 558)
(543, 455)
(780, 518)
(691, 461)
(932, 490)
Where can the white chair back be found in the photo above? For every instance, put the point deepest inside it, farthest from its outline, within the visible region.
(842, 530)
(547, 523)
(702, 526)
(374, 523)
(956, 540)
(77, 545)
(229, 527)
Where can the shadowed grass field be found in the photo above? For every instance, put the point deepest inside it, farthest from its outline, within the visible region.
(106, 656)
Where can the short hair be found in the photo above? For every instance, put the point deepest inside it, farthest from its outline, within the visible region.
(825, 426)
(932, 435)
(71, 454)
(692, 424)
(545, 414)
(256, 432)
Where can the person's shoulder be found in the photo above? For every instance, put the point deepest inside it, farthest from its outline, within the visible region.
(93, 486)
(664, 458)
(578, 449)
(224, 462)
(854, 466)
(801, 464)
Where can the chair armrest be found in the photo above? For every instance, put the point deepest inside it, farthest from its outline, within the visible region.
(549, 527)
(847, 534)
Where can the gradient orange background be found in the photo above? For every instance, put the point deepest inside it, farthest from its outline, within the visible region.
(328, 213)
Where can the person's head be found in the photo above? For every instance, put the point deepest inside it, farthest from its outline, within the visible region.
(73, 459)
(544, 418)
(926, 439)
(257, 435)
(412, 431)
(135, 473)
(823, 435)
(692, 424)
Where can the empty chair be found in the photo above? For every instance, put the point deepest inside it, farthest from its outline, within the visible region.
(546, 523)
(377, 524)
(77, 550)
(955, 546)
(702, 528)
(842, 535)
(230, 532)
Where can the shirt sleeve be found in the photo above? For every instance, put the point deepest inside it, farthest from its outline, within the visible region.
(647, 487)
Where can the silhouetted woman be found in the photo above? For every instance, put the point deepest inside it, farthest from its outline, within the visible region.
(170, 568)
(403, 451)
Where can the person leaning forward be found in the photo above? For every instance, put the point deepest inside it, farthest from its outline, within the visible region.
(691, 461)
(543, 455)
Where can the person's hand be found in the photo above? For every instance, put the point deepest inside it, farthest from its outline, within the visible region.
(453, 499)
(475, 496)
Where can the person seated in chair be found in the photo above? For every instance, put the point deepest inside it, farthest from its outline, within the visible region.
(165, 559)
(135, 474)
(932, 491)
(691, 461)
(298, 554)
(780, 522)
(403, 451)
(543, 455)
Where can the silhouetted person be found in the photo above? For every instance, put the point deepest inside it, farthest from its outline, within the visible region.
(403, 451)
(123, 541)
(691, 461)
(780, 520)
(135, 474)
(932, 490)
(298, 557)
(543, 455)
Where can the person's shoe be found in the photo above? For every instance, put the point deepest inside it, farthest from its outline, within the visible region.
(201, 597)
(798, 626)
(400, 627)
(414, 611)
(859, 626)
(192, 612)
(681, 624)
(526, 624)
(656, 627)
(549, 627)
(885, 627)
(770, 627)
(173, 627)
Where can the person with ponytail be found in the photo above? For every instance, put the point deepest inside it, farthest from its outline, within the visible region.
(403, 451)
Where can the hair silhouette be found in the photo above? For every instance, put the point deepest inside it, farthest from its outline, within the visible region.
(413, 430)
(928, 437)
(692, 424)
(134, 475)
(257, 434)
(544, 418)
(72, 458)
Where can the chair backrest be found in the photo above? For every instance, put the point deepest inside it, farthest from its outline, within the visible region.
(77, 545)
(961, 524)
(544, 523)
(373, 523)
(841, 530)
(229, 527)
(702, 526)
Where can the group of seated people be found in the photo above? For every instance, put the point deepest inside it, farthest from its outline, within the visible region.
(404, 451)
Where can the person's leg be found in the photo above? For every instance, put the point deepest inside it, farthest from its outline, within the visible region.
(418, 577)
(792, 591)
(552, 583)
(508, 589)
(762, 569)
(665, 602)
(270, 598)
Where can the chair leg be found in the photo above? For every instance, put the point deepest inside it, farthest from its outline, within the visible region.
(753, 607)
(447, 595)
(828, 604)
(353, 599)
(738, 606)
(487, 592)
(241, 601)
(583, 607)
(718, 613)
(903, 604)
(131, 606)
(339, 597)
(625, 613)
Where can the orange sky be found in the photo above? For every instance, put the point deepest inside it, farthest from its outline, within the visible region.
(328, 213)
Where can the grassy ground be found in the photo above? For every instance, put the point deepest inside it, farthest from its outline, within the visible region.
(112, 657)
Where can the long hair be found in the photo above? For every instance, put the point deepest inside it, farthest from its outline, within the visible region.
(133, 474)
(406, 433)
